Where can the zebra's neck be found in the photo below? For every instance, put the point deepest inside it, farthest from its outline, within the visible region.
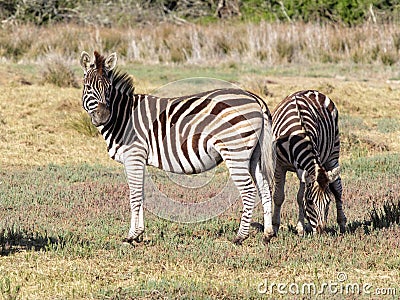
(121, 102)
(120, 98)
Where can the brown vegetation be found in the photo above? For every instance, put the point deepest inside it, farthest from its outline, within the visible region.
(266, 43)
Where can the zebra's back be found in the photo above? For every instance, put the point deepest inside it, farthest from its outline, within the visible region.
(187, 134)
(306, 122)
(305, 128)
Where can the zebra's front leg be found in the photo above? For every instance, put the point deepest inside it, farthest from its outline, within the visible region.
(300, 202)
(137, 225)
(336, 188)
(137, 220)
(264, 193)
(279, 197)
(135, 176)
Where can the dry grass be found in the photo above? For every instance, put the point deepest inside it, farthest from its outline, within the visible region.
(40, 121)
(35, 127)
(265, 43)
(58, 72)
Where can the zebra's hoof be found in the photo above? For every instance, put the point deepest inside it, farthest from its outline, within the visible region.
(238, 241)
(127, 241)
(269, 233)
(130, 240)
(300, 231)
(267, 238)
(342, 220)
(139, 239)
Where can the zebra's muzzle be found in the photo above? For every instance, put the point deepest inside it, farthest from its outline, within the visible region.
(101, 115)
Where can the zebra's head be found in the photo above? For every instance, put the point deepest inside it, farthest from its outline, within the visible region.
(96, 86)
(317, 196)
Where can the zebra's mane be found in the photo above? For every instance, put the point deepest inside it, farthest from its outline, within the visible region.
(99, 62)
(122, 81)
(321, 177)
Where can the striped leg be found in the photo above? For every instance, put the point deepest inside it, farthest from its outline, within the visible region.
(134, 169)
(300, 203)
(279, 197)
(336, 188)
(240, 174)
(266, 201)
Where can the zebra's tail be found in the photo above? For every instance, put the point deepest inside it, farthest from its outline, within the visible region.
(268, 153)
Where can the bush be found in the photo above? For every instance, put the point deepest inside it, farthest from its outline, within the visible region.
(389, 58)
(386, 216)
(39, 12)
(131, 12)
(57, 72)
(349, 12)
(83, 125)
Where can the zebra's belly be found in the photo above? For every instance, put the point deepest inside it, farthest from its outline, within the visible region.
(181, 164)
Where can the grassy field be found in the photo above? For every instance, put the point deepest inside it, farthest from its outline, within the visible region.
(64, 204)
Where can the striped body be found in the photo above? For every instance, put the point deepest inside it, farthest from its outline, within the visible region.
(184, 135)
(187, 135)
(305, 126)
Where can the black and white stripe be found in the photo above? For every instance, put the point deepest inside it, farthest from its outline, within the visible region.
(305, 126)
(186, 135)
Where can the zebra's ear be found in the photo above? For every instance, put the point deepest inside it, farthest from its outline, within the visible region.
(111, 61)
(333, 174)
(85, 61)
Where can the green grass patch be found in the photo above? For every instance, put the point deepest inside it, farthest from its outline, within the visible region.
(63, 226)
(388, 125)
(373, 167)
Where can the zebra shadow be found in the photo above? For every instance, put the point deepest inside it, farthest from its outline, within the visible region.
(15, 239)
(378, 218)
(384, 217)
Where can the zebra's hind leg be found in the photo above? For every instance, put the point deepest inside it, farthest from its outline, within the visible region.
(264, 193)
(300, 202)
(240, 174)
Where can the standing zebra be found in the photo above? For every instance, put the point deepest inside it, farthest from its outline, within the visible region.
(305, 126)
(185, 135)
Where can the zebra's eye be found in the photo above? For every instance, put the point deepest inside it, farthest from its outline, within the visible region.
(310, 202)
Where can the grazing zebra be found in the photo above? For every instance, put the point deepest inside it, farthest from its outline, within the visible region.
(305, 126)
(185, 135)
